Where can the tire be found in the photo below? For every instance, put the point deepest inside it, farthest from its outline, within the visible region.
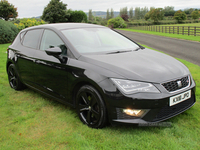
(90, 107)
(13, 78)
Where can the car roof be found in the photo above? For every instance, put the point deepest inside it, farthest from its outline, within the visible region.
(62, 26)
(57, 27)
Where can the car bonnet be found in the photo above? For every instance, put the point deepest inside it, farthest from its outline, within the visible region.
(143, 65)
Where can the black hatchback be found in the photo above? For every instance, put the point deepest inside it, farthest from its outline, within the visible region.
(103, 74)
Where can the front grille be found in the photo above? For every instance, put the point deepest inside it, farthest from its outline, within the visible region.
(168, 111)
(174, 86)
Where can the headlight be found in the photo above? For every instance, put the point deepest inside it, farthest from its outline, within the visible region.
(131, 87)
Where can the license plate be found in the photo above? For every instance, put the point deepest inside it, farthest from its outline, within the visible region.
(179, 98)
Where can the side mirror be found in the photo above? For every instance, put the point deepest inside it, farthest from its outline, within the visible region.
(53, 51)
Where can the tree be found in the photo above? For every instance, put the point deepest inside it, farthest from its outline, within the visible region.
(55, 11)
(188, 11)
(112, 13)
(7, 10)
(124, 17)
(147, 16)
(143, 11)
(152, 8)
(169, 11)
(137, 13)
(180, 16)
(195, 14)
(124, 11)
(157, 14)
(131, 13)
(90, 16)
(77, 16)
(107, 15)
(98, 18)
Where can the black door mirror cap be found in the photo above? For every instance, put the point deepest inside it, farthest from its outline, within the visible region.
(53, 51)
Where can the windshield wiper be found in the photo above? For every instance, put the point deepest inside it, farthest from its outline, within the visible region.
(119, 52)
(137, 49)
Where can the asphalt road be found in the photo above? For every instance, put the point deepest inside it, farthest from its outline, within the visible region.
(187, 50)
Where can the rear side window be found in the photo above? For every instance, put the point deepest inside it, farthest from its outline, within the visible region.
(31, 38)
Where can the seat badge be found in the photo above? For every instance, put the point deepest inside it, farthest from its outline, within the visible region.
(179, 84)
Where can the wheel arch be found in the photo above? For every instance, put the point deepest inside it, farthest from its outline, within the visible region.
(8, 64)
(78, 85)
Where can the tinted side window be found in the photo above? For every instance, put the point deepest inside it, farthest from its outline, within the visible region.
(50, 39)
(31, 38)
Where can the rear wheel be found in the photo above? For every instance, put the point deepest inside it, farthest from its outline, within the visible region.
(90, 107)
(13, 78)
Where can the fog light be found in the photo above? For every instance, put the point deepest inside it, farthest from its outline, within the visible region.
(135, 112)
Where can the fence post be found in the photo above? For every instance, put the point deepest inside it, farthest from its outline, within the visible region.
(195, 31)
(182, 30)
(188, 30)
(178, 30)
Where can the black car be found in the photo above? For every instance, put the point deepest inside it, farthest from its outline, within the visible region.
(103, 74)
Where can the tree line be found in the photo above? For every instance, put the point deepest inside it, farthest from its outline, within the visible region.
(56, 11)
(157, 14)
(153, 13)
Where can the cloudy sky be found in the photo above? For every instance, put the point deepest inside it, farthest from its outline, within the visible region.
(34, 8)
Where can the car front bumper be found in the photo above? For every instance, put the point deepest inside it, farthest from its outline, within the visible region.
(156, 105)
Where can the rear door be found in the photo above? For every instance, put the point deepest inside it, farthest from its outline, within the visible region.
(25, 61)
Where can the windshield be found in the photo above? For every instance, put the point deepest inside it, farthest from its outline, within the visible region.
(92, 40)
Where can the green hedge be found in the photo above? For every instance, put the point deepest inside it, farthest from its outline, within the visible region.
(8, 32)
(117, 22)
(27, 22)
(162, 22)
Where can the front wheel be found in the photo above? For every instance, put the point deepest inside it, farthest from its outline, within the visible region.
(13, 78)
(90, 107)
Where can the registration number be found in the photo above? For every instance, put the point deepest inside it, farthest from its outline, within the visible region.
(179, 98)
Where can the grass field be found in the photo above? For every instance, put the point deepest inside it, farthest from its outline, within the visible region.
(31, 121)
(178, 36)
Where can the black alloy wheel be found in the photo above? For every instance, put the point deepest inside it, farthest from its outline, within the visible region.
(13, 78)
(90, 107)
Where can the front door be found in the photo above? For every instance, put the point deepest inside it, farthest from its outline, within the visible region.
(51, 72)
